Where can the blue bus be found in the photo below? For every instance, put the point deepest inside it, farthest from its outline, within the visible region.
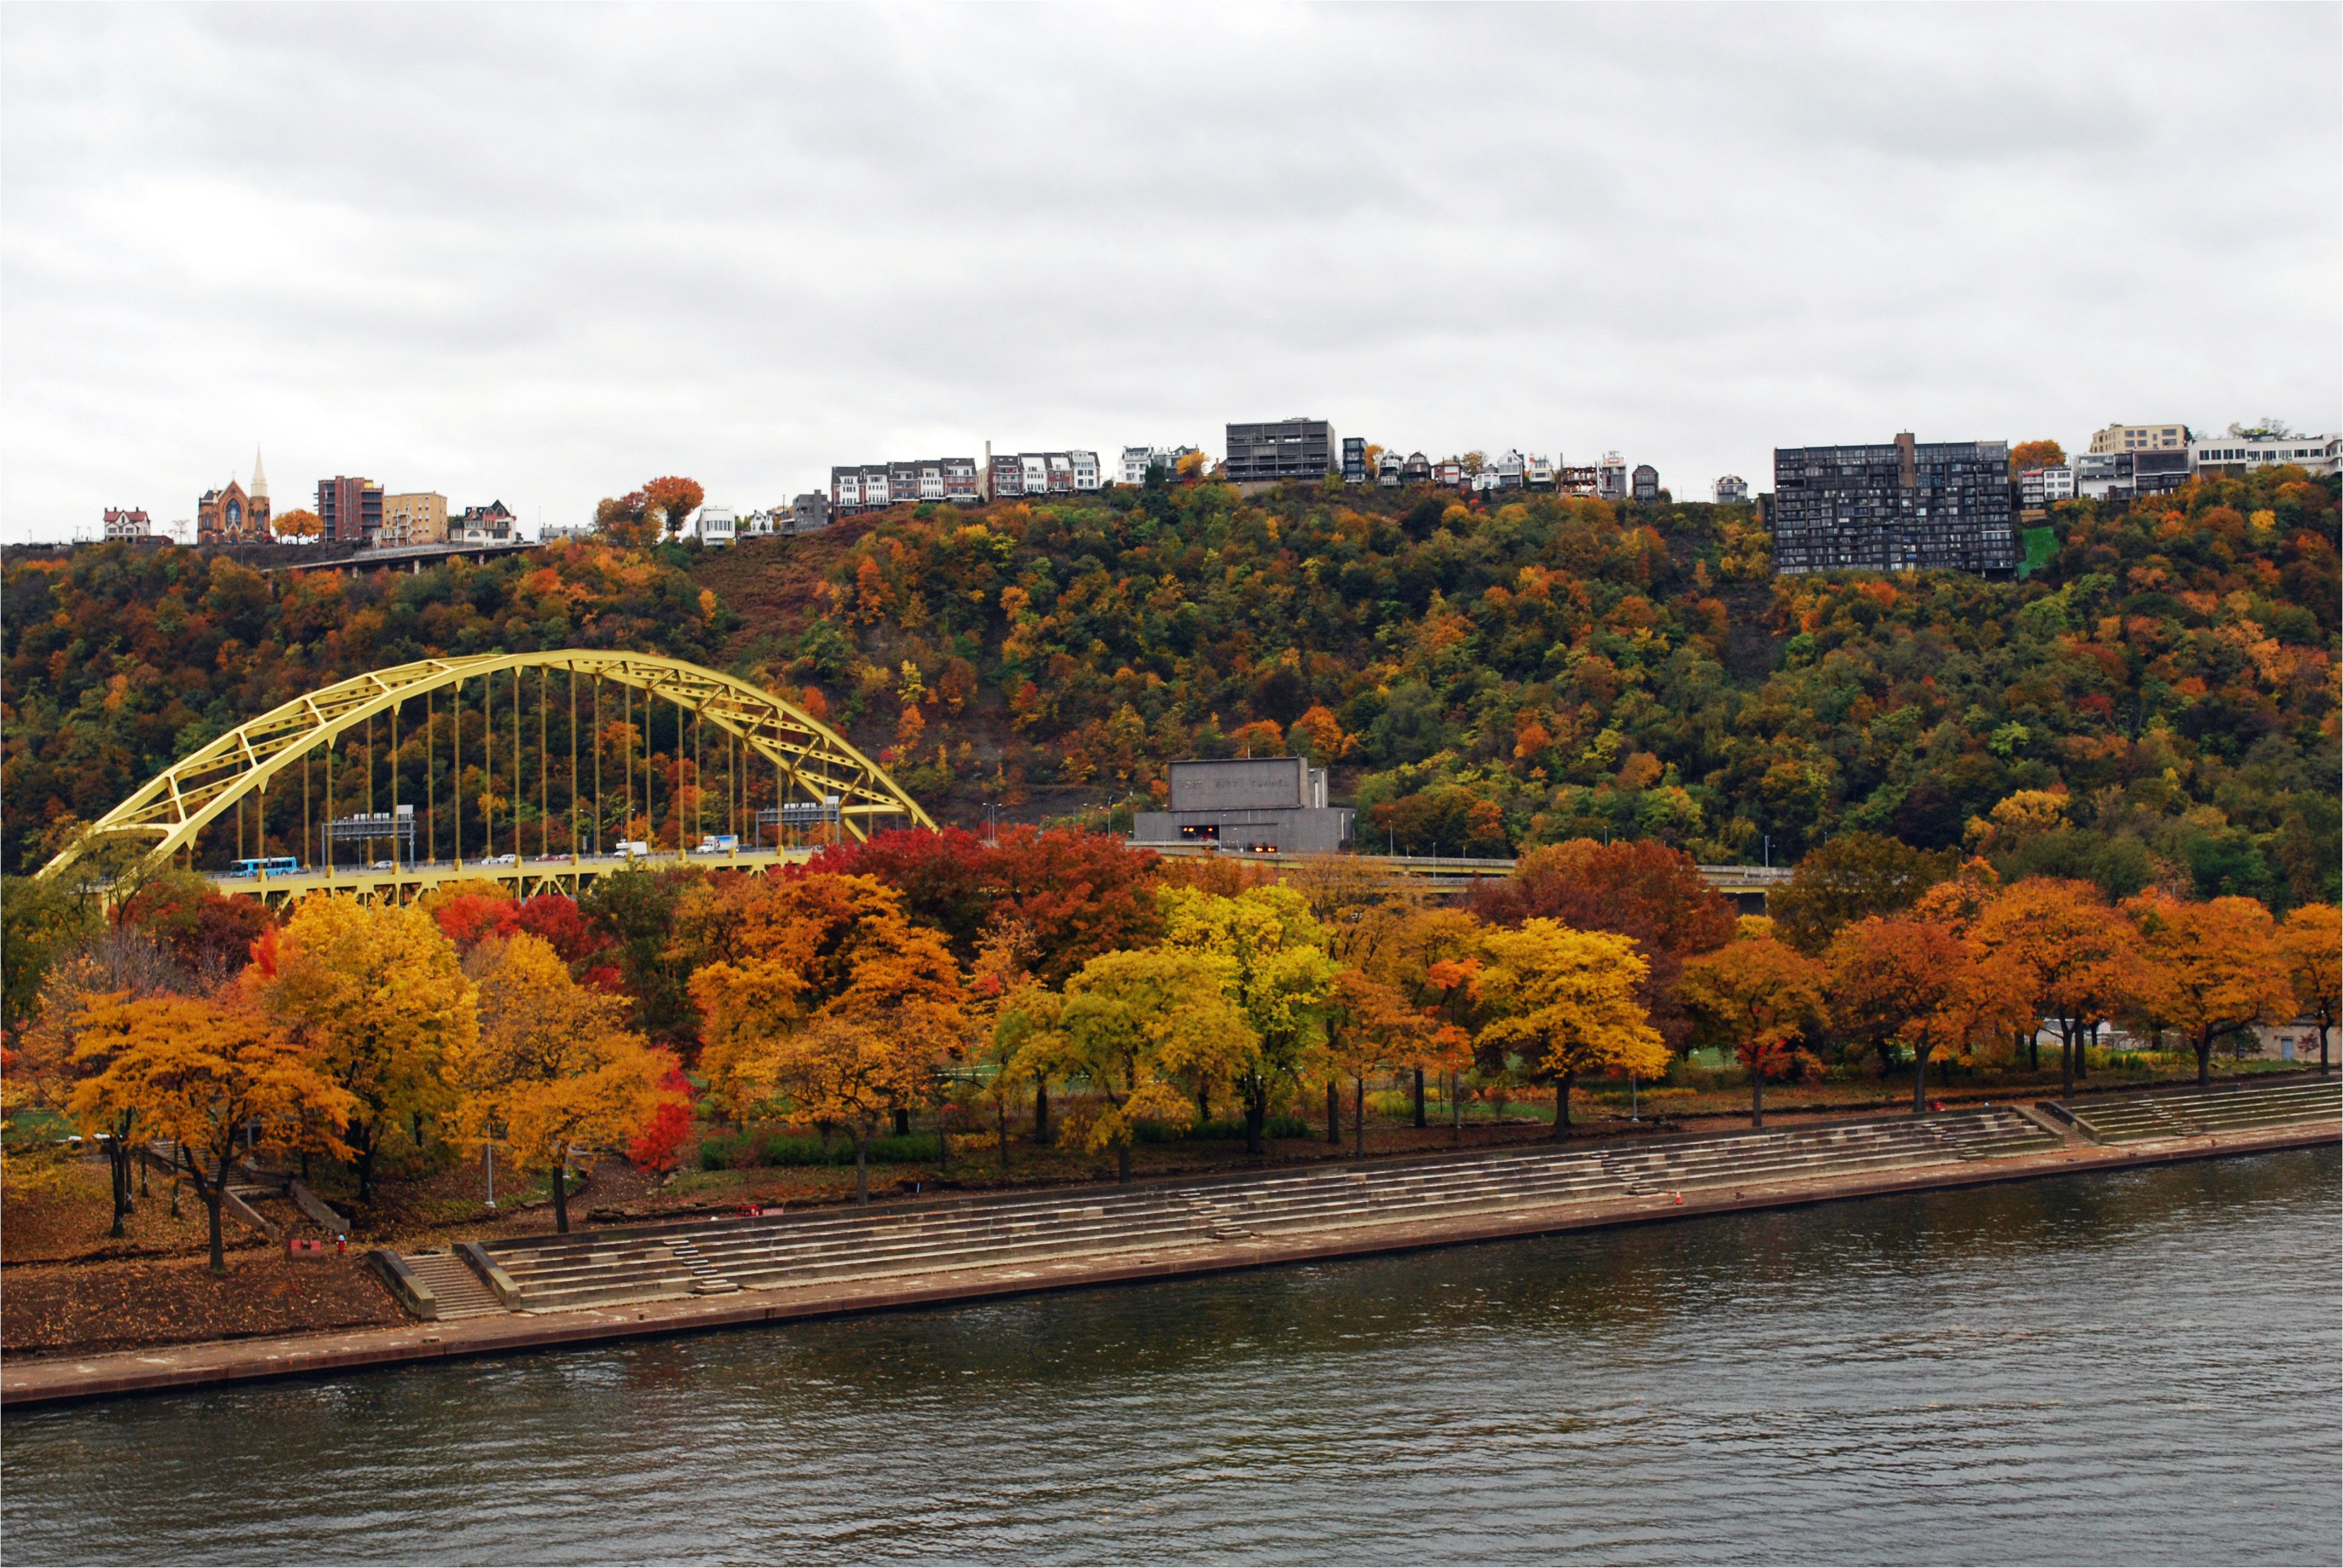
(264, 865)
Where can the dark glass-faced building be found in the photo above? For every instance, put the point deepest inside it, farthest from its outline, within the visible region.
(1897, 507)
(1294, 448)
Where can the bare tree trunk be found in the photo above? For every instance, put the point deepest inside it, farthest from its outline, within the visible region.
(1418, 1096)
(2205, 1060)
(2066, 1057)
(2323, 1068)
(902, 1122)
(1041, 1111)
(861, 1164)
(117, 1158)
(1003, 1107)
(1256, 1118)
(1757, 1097)
(214, 1193)
(1456, 1107)
(1562, 1106)
(1122, 1162)
(561, 1197)
(1358, 1115)
(1335, 1112)
(1919, 1080)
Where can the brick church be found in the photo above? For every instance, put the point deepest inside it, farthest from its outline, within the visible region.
(235, 515)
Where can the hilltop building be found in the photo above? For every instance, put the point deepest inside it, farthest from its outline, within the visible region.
(856, 489)
(1645, 484)
(349, 511)
(1011, 475)
(128, 524)
(1259, 805)
(416, 519)
(1732, 489)
(1296, 448)
(1611, 477)
(1899, 506)
(488, 525)
(1137, 460)
(2236, 454)
(2113, 438)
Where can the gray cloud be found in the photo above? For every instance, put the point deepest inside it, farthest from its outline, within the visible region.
(542, 253)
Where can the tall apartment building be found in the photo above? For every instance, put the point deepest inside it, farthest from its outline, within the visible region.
(349, 510)
(2140, 438)
(1354, 460)
(1732, 489)
(419, 517)
(127, 523)
(2236, 454)
(1017, 474)
(1895, 507)
(1296, 448)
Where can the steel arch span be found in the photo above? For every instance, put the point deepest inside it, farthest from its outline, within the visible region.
(810, 761)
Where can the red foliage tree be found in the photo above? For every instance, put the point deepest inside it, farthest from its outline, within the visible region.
(209, 934)
(469, 919)
(654, 1148)
(1077, 894)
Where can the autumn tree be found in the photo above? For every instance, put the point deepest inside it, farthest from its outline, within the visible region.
(814, 946)
(672, 499)
(1643, 889)
(1760, 995)
(1275, 972)
(300, 523)
(1567, 999)
(852, 1068)
(555, 1074)
(2067, 949)
(379, 994)
(200, 1071)
(1916, 982)
(2041, 454)
(58, 1053)
(2313, 939)
(2208, 969)
(1141, 1027)
(1851, 876)
(1403, 946)
(1370, 1027)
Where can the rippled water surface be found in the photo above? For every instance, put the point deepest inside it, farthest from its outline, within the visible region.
(2130, 1368)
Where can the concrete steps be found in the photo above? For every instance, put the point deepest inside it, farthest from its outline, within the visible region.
(2201, 1112)
(460, 1292)
(720, 1255)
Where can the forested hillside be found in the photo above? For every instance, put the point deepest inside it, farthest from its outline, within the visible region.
(2158, 705)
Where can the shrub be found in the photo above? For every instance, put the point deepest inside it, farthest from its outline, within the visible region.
(1288, 1126)
(716, 1150)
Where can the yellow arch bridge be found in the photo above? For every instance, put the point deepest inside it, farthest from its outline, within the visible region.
(402, 779)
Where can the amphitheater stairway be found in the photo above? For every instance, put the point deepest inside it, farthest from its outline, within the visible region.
(2194, 1114)
(722, 1255)
(459, 1291)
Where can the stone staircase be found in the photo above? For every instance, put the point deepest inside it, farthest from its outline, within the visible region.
(245, 1180)
(717, 1256)
(460, 1292)
(2198, 1112)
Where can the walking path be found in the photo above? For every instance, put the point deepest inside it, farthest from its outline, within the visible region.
(967, 1252)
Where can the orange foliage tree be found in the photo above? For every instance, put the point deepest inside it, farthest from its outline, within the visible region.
(2313, 939)
(852, 1068)
(199, 1071)
(2070, 951)
(2207, 970)
(555, 1074)
(1760, 996)
(1370, 1027)
(1889, 978)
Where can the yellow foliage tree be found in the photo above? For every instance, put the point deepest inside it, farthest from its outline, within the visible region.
(1143, 1027)
(198, 1071)
(1566, 999)
(378, 993)
(555, 1075)
(1275, 972)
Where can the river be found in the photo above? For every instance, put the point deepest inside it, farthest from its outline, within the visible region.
(2141, 1367)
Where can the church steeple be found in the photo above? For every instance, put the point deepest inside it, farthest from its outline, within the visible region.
(260, 477)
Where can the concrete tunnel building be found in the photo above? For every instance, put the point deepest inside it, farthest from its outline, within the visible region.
(1259, 805)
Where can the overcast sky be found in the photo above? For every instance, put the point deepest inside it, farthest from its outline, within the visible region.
(542, 254)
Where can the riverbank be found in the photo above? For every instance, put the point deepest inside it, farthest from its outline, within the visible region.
(40, 1381)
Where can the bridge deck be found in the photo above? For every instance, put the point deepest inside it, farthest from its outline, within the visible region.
(528, 874)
